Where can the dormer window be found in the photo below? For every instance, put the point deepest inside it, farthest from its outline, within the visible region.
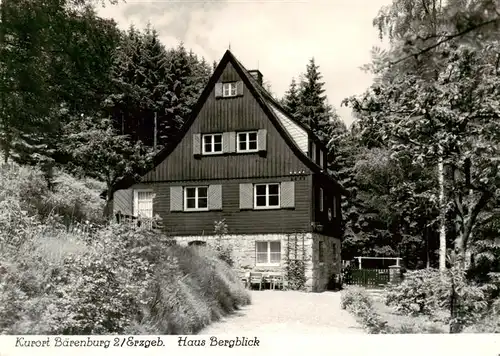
(229, 89)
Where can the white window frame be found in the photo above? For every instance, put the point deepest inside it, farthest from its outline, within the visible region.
(196, 208)
(136, 200)
(212, 144)
(321, 200)
(229, 89)
(267, 206)
(247, 140)
(268, 263)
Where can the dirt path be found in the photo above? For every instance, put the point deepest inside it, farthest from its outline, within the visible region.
(289, 312)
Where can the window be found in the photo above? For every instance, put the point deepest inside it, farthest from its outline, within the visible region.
(228, 89)
(195, 198)
(143, 203)
(212, 144)
(247, 141)
(267, 253)
(334, 206)
(321, 200)
(321, 251)
(334, 251)
(267, 196)
(313, 152)
(321, 159)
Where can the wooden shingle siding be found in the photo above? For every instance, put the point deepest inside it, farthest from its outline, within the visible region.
(298, 134)
(229, 115)
(240, 221)
(123, 201)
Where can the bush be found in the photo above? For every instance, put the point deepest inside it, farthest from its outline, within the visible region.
(448, 299)
(125, 280)
(357, 301)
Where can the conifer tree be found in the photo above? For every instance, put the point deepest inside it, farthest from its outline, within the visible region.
(291, 100)
(314, 109)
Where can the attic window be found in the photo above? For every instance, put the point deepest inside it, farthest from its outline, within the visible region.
(247, 141)
(229, 89)
(212, 144)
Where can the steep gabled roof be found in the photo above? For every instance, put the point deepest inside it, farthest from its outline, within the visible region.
(263, 98)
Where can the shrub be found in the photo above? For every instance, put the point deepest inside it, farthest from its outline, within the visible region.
(124, 280)
(449, 299)
(421, 292)
(357, 301)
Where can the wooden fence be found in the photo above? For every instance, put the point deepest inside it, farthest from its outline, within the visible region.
(366, 277)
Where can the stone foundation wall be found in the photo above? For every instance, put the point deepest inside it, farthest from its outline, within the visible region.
(243, 253)
(322, 271)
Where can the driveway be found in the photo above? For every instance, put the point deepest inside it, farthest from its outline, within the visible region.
(289, 312)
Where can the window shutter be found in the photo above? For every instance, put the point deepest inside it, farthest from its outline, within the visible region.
(232, 142)
(218, 90)
(287, 198)
(176, 199)
(215, 197)
(246, 196)
(262, 140)
(196, 144)
(239, 88)
(229, 142)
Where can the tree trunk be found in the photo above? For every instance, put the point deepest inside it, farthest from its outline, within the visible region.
(108, 207)
(442, 218)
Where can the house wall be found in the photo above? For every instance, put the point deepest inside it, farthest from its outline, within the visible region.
(330, 227)
(243, 252)
(177, 223)
(227, 115)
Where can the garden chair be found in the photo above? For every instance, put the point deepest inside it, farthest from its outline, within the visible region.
(277, 280)
(256, 278)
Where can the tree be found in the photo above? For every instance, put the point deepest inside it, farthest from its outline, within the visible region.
(314, 109)
(102, 153)
(291, 99)
(54, 59)
(440, 104)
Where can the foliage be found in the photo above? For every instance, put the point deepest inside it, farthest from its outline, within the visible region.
(295, 264)
(151, 81)
(441, 103)
(125, 280)
(451, 299)
(307, 103)
(224, 251)
(357, 301)
(103, 154)
(55, 59)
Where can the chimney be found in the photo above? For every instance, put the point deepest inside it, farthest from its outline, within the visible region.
(257, 75)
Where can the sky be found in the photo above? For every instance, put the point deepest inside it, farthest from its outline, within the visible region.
(278, 37)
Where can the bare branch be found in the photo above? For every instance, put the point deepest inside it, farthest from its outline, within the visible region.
(446, 38)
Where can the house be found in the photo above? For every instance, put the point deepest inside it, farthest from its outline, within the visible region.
(242, 158)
